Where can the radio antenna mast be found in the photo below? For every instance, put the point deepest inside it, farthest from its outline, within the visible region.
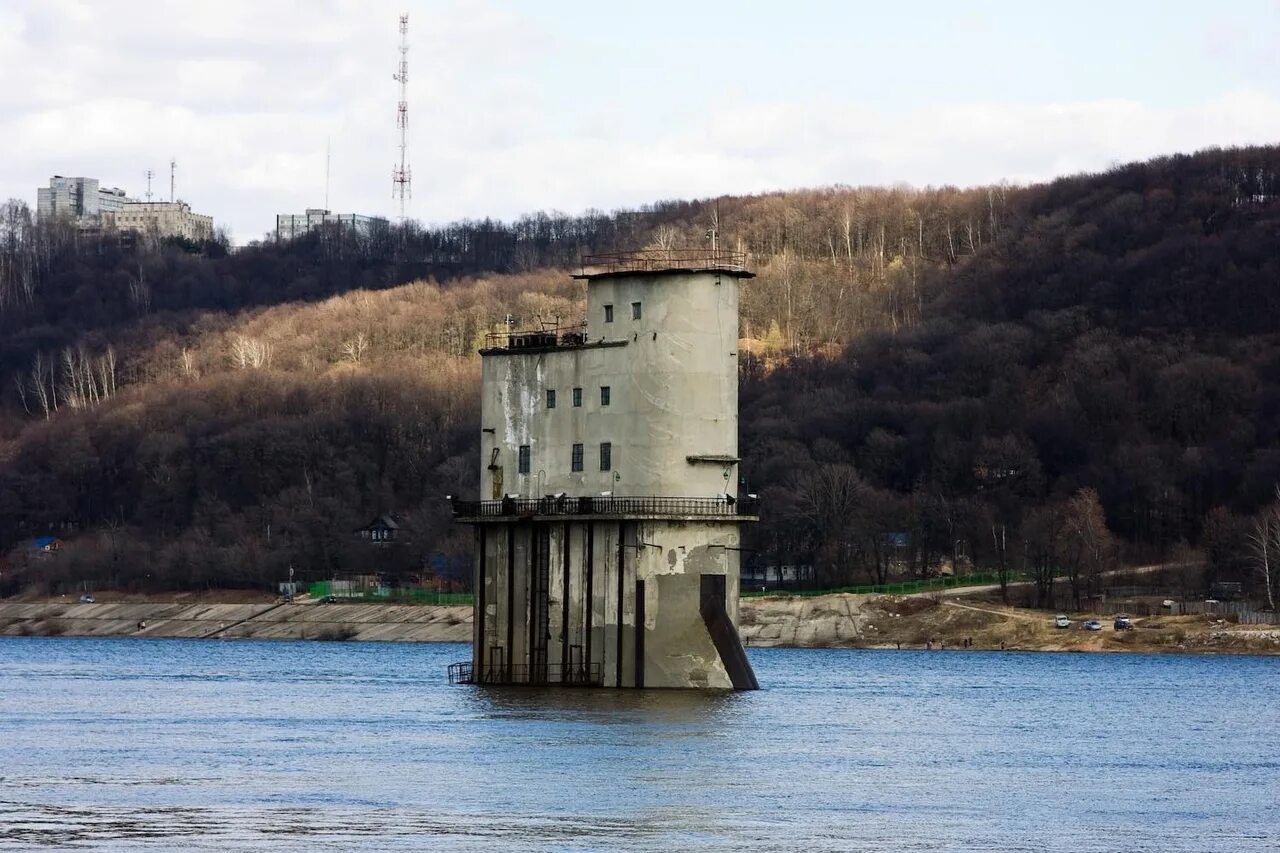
(150, 173)
(173, 175)
(402, 175)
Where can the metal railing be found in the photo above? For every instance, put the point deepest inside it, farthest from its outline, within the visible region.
(655, 260)
(574, 675)
(620, 506)
(545, 337)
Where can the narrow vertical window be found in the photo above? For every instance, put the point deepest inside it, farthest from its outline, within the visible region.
(577, 397)
(606, 456)
(551, 398)
(524, 459)
(635, 310)
(608, 313)
(575, 464)
(604, 395)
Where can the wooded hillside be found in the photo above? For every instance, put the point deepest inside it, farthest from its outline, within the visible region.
(989, 371)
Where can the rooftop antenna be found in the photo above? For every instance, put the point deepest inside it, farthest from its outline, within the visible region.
(150, 173)
(402, 175)
(173, 174)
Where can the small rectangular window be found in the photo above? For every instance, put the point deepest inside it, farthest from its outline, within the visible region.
(576, 463)
(606, 456)
(524, 459)
(551, 398)
(635, 310)
(604, 395)
(577, 397)
(608, 313)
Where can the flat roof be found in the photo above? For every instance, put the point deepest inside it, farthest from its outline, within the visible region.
(659, 261)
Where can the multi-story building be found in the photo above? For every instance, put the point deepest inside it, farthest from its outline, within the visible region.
(290, 225)
(607, 534)
(161, 219)
(77, 199)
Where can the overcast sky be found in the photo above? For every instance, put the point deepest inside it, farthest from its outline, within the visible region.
(559, 104)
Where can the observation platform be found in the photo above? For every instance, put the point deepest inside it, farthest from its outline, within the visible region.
(606, 508)
(651, 261)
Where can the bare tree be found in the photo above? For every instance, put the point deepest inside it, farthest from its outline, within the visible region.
(664, 238)
(1264, 542)
(188, 364)
(20, 384)
(48, 401)
(250, 353)
(1089, 543)
(828, 500)
(353, 350)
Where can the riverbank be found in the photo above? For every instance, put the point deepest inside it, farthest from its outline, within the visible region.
(263, 621)
(933, 621)
(828, 621)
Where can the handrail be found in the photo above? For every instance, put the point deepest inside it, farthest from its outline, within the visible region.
(582, 675)
(562, 506)
(544, 337)
(652, 260)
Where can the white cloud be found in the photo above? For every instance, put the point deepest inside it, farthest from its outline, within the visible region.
(245, 96)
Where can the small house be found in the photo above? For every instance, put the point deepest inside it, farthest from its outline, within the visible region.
(382, 530)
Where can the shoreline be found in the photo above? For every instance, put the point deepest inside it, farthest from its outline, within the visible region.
(841, 620)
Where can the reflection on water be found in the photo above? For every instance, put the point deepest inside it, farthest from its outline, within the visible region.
(199, 745)
(605, 707)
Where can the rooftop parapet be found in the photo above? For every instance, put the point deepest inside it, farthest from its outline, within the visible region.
(647, 261)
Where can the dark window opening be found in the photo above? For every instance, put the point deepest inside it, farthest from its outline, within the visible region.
(524, 459)
(576, 462)
(551, 398)
(635, 310)
(606, 456)
(604, 395)
(577, 396)
(608, 313)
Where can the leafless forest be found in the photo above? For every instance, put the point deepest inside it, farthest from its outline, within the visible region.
(1050, 379)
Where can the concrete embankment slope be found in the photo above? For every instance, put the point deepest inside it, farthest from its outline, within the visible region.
(406, 623)
(823, 621)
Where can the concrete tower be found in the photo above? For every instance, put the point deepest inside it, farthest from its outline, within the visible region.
(607, 540)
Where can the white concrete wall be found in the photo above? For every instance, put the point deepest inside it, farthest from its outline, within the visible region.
(673, 388)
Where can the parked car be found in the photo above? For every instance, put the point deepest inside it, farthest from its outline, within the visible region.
(1061, 621)
(86, 599)
(1123, 622)
(1092, 625)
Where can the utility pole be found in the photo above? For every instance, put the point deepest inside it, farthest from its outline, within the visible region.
(173, 176)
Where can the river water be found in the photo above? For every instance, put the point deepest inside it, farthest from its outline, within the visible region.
(242, 745)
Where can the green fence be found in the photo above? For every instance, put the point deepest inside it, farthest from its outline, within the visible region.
(904, 588)
(388, 595)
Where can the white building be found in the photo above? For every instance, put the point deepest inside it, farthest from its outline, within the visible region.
(77, 199)
(160, 219)
(291, 225)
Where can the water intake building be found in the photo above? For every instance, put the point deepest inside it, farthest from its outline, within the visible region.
(607, 533)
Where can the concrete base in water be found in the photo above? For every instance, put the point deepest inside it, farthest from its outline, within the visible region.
(609, 603)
